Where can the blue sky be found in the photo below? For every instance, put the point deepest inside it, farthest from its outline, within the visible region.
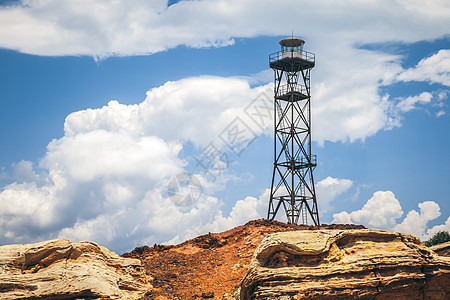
(75, 165)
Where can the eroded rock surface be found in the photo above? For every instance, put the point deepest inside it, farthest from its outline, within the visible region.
(345, 264)
(59, 269)
(442, 249)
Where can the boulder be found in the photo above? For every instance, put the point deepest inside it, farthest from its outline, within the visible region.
(59, 269)
(345, 264)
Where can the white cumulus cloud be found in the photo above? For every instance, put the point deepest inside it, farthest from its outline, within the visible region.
(380, 211)
(195, 109)
(106, 178)
(328, 189)
(383, 210)
(415, 222)
(410, 102)
(433, 69)
(347, 98)
(443, 227)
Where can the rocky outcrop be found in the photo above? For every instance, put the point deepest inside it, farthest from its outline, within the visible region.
(442, 249)
(60, 269)
(345, 264)
(211, 265)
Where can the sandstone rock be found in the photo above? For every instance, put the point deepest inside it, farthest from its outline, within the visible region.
(442, 249)
(345, 264)
(59, 269)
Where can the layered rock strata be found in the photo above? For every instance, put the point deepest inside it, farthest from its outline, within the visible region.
(345, 264)
(59, 269)
(442, 249)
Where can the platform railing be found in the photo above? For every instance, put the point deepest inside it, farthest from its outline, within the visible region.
(312, 161)
(305, 55)
(300, 162)
(291, 88)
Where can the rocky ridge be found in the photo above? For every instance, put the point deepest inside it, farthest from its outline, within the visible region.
(345, 264)
(212, 265)
(343, 261)
(59, 269)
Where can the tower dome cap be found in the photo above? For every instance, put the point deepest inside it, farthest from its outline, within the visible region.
(292, 42)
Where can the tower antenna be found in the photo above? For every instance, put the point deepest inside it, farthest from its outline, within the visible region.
(292, 178)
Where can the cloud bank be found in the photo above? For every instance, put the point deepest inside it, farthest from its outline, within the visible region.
(347, 77)
(133, 27)
(105, 179)
(383, 210)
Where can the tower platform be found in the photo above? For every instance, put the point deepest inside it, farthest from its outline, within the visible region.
(292, 92)
(292, 60)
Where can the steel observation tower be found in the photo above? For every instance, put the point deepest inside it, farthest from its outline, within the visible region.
(292, 179)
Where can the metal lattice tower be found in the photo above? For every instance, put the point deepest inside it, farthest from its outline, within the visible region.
(292, 179)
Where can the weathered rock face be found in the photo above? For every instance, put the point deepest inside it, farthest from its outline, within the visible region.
(345, 264)
(442, 249)
(60, 269)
